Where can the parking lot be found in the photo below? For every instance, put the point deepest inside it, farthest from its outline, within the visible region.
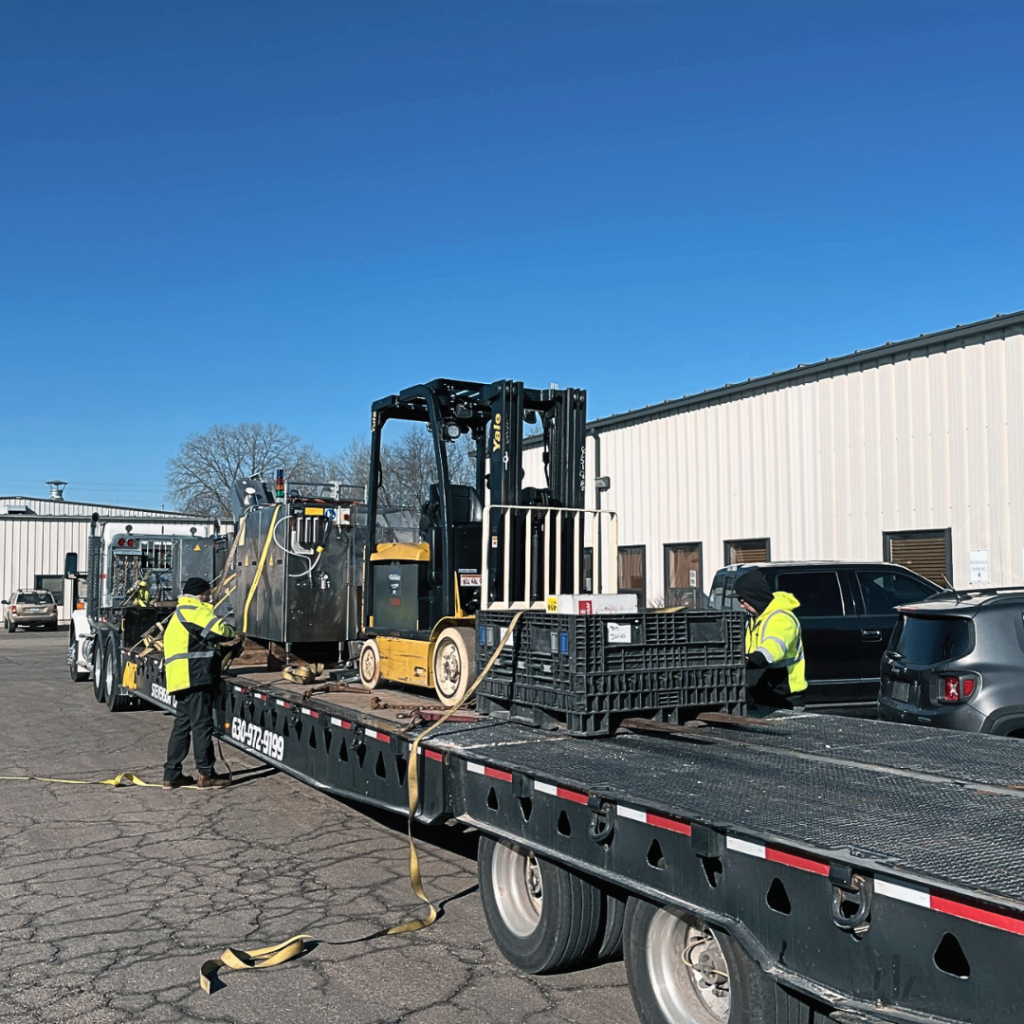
(113, 898)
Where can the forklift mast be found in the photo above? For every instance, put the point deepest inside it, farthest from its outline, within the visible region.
(495, 416)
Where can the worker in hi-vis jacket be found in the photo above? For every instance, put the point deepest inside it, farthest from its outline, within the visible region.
(774, 645)
(192, 655)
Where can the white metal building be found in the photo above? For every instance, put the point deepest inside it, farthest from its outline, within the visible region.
(912, 451)
(36, 534)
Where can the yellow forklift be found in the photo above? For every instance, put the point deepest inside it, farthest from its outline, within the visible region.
(420, 599)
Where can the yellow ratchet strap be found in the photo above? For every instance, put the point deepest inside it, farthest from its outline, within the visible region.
(414, 791)
(259, 568)
(251, 959)
(124, 778)
(270, 956)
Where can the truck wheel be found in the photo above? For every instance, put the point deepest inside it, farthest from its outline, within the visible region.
(76, 675)
(542, 917)
(682, 971)
(369, 664)
(454, 663)
(613, 919)
(112, 672)
(99, 648)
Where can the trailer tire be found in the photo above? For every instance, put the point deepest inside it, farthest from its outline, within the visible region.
(369, 664)
(99, 648)
(112, 674)
(665, 990)
(613, 921)
(541, 916)
(453, 664)
(77, 675)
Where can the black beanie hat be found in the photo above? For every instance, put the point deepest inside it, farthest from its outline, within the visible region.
(195, 585)
(753, 588)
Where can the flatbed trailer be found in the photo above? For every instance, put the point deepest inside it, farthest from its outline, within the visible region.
(848, 870)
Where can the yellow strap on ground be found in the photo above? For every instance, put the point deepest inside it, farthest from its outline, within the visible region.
(259, 568)
(271, 955)
(125, 778)
(414, 790)
(251, 959)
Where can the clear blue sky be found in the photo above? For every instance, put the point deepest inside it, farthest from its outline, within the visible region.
(219, 211)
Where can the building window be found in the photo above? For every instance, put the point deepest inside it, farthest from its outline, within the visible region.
(737, 552)
(633, 572)
(684, 583)
(929, 553)
(54, 584)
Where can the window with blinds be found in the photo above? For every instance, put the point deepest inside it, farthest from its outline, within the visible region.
(739, 551)
(929, 553)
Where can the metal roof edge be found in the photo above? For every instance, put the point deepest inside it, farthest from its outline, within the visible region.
(97, 504)
(782, 378)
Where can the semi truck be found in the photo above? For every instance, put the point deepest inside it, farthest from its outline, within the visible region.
(790, 869)
(132, 578)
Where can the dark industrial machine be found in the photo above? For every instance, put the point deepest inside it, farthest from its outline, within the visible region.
(478, 540)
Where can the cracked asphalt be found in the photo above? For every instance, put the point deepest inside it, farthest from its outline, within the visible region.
(112, 898)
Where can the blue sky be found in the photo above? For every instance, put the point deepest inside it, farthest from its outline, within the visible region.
(217, 212)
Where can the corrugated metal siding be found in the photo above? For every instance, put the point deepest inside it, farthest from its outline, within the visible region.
(923, 440)
(31, 545)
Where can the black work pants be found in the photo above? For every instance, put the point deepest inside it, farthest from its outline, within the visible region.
(193, 719)
(763, 695)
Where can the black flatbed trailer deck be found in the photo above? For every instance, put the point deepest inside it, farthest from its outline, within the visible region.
(875, 869)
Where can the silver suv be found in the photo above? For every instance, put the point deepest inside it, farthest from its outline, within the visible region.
(30, 608)
(957, 661)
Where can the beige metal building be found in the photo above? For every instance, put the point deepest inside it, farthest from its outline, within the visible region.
(912, 451)
(36, 533)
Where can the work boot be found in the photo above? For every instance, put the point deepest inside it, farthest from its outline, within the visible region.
(213, 781)
(181, 780)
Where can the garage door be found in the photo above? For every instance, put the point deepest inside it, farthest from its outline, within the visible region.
(926, 552)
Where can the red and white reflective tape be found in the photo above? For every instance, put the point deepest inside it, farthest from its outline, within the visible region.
(491, 773)
(561, 792)
(931, 900)
(262, 696)
(777, 855)
(312, 714)
(657, 820)
(282, 703)
(433, 755)
(382, 737)
(238, 689)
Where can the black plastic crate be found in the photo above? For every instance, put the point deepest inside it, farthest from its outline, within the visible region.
(590, 671)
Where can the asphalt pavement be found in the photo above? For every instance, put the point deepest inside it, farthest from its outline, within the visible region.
(111, 899)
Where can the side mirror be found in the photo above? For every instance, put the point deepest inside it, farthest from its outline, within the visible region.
(70, 565)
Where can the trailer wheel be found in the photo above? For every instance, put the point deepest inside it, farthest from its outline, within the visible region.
(99, 648)
(613, 919)
(76, 675)
(542, 917)
(369, 664)
(682, 971)
(454, 662)
(112, 674)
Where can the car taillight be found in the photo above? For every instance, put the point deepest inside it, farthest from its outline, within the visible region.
(956, 689)
(14, 609)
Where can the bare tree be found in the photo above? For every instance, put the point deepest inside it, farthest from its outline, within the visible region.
(409, 466)
(200, 477)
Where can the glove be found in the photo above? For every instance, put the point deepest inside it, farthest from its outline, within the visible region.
(757, 660)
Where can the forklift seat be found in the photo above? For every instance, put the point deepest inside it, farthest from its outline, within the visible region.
(466, 504)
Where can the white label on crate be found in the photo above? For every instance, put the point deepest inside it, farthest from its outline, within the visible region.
(620, 633)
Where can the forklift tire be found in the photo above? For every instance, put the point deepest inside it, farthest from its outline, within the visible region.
(683, 971)
(454, 664)
(542, 917)
(98, 656)
(369, 664)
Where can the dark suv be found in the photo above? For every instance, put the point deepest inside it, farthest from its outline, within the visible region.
(958, 662)
(847, 613)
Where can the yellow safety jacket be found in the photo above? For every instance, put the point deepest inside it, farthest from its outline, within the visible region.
(190, 644)
(776, 634)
